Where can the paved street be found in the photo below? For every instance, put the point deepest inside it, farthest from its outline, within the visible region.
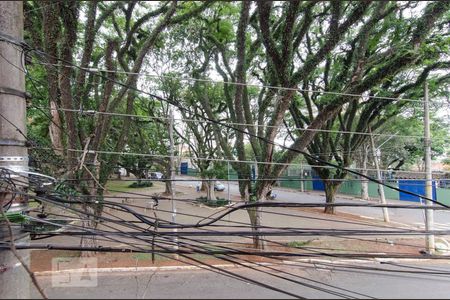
(411, 217)
(302, 280)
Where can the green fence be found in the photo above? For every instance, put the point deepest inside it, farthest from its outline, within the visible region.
(352, 187)
(443, 196)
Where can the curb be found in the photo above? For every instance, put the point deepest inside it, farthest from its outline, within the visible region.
(229, 266)
(145, 269)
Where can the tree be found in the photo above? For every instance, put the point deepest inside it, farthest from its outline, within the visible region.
(111, 37)
(362, 48)
(298, 51)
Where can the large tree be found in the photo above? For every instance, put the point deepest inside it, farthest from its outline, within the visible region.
(365, 45)
(110, 35)
(361, 48)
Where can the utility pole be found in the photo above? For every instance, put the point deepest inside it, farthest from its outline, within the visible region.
(302, 182)
(228, 180)
(429, 216)
(172, 178)
(14, 280)
(380, 186)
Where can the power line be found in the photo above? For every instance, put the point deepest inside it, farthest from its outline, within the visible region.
(97, 70)
(93, 113)
(179, 106)
(217, 159)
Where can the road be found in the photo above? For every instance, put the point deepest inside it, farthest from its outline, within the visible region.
(412, 217)
(344, 281)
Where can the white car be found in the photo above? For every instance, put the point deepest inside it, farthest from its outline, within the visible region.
(218, 186)
(156, 175)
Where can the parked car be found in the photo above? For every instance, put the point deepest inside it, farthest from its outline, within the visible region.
(218, 186)
(156, 175)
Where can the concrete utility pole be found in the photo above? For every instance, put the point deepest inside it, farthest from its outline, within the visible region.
(14, 280)
(172, 176)
(228, 182)
(380, 186)
(302, 182)
(429, 216)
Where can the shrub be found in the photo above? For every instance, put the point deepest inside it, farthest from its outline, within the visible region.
(298, 244)
(218, 203)
(141, 184)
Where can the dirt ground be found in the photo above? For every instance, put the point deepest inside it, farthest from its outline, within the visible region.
(41, 260)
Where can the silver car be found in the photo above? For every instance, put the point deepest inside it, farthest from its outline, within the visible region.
(218, 186)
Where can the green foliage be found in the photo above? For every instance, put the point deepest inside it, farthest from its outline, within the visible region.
(411, 150)
(298, 244)
(212, 203)
(217, 170)
(66, 189)
(13, 217)
(204, 47)
(37, 227)
(141, 184)
(446, 162)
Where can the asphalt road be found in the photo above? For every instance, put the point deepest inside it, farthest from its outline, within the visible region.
(303, 280)
(412, 217)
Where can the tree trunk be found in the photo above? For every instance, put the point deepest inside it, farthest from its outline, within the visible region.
(211, 195)
(330, 193)
(204, 186)
(70, 22)
(168, 182)
(51, 34)
(89, 223)
(244, 189)
(255, 215)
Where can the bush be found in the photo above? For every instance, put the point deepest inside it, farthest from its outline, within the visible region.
(298, 244)
(141, 184)
(218, 203)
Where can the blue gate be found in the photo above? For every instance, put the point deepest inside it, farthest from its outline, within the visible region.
(184, 168)
(415, 186)
(318, 184)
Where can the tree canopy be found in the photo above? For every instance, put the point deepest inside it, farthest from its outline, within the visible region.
(318, 75)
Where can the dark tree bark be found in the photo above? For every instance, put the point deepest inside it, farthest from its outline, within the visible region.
(69, 12)
(52, 31)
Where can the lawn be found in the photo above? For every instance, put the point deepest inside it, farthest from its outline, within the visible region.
(124, 186)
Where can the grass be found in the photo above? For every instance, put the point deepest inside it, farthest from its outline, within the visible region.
(121, 186)
(218, 203)
(148, 256)
(33, 204)
(36, 226)
(63, 256)
(298, 244)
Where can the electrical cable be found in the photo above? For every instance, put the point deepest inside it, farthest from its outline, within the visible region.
(93, 113)
(271, 142)
(179, 106)
(97, 70)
